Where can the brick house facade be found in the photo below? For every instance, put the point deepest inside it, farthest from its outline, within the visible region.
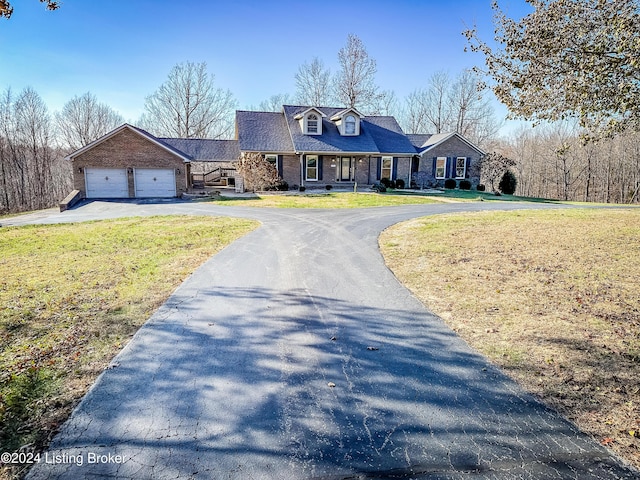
(310, 146)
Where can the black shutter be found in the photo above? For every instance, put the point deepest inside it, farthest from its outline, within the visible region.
(435, 163)
(394, 168)
(320, 161)
(379, 168)
(279, 166)
(304, 167)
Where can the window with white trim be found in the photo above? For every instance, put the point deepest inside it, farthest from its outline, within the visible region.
(386, 167)
(350, 125)
(312, 124)
(441, 167)
(312, 167)
(273, 159)
(461, 167)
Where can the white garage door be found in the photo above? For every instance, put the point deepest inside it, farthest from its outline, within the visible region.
(106, 182)
(155, 182)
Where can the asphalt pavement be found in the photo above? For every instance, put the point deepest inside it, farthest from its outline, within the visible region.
(294, 353)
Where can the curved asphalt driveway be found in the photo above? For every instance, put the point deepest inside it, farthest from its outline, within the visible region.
(230, 378)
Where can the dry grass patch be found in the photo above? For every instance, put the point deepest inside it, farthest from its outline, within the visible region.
(550, 296)
(71, 296)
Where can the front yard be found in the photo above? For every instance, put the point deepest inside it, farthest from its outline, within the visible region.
(323, 200)
(71, 296)
(550, 296)
(369, 199)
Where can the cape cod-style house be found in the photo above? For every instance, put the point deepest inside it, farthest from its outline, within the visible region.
(310, 146)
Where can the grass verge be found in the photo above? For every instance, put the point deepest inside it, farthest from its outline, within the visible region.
(326, 200)
(550, 296)
(71, 296)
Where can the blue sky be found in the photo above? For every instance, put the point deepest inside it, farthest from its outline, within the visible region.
(122, 50)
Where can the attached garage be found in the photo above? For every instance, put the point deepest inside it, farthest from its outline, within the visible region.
(155, 182)
(129, 162)
(106, 183)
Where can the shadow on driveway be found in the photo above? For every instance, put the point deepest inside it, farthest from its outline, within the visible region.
(242, 390)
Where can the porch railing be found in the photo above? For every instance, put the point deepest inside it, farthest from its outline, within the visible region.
(213, 177)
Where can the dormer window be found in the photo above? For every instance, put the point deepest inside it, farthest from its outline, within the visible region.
(350, 125)
(310, 121)
(312, 124)
(348, 122)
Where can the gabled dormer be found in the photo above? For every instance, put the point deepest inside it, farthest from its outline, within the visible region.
(348, 122)
(310, 121)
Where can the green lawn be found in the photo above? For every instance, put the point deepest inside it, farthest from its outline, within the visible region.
(372, 199)
(71, 296)
(325, 200)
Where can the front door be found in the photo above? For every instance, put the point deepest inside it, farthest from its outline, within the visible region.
(346, 169)
(415, 165)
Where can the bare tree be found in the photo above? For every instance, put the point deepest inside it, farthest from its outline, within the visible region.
(6, 10)
(33, 132)
(427, 110)
(258, 173)
(386, 104)
(471, 113)
(447, 105)
(413, 117)
(188, 105)
(83, 119)
(554, 162)
(313, 85)
(274, 103)
(32, 174)
(354, 84)
(437, 104)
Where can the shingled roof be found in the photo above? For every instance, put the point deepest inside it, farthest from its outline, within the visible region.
(422, 143)
(263, 132)
(378, 135)
(205, 149)
(280, 132)
(388, 135)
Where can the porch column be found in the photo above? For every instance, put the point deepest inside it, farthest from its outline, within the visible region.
(302, 169)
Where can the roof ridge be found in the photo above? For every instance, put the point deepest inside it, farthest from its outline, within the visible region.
(199, 139)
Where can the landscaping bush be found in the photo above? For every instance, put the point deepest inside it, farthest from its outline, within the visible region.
(302, 189)
(329, 187)
(508, 183)
(385, 182)
(481, 187)
(465, 185)
(421, 180)
(378, 187)
(281, 186)
(399, 183)
(450, 183)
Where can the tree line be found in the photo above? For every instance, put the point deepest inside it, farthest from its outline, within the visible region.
(189, 104)
(554, 162)
(580, 90)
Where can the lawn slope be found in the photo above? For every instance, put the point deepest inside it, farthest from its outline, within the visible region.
(550, 296)
(71, 296)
